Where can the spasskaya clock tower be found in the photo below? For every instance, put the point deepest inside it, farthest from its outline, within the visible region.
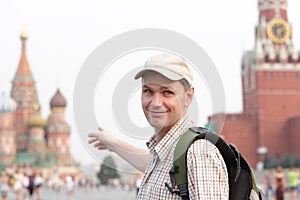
(270, 119)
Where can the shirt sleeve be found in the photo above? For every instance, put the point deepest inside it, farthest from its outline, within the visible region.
(206, 171)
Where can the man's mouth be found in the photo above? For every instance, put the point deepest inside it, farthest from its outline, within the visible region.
(157, 113)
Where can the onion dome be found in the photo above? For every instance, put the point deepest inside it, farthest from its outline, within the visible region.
(23, 36)
(7, 104)
(58, 100)
(36, 119)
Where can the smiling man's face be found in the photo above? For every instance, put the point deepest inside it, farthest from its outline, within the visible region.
(164, 101)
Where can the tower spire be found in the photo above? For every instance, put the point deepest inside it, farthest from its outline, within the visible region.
(23, 72)
(23, 37)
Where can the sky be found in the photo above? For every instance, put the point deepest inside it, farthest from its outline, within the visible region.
(62, 34)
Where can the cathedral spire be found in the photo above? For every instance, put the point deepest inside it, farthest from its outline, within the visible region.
(23, 72)
(23, 37)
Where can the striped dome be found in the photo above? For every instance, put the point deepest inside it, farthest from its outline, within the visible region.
(58, 100)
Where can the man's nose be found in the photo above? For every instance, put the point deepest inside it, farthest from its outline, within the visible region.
(157, 100)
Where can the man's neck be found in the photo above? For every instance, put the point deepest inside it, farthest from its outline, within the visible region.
(160, 133)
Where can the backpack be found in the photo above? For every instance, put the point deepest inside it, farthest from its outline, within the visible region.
(242, 184)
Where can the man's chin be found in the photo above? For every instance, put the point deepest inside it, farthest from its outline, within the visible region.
(157, 125)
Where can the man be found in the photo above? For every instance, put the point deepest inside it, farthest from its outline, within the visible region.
(167, 93)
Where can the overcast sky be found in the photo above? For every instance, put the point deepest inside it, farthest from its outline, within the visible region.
(62, 34)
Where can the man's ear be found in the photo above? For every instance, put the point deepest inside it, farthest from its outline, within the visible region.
(189, 96)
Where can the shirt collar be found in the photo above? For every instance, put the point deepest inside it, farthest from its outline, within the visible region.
(163, 147)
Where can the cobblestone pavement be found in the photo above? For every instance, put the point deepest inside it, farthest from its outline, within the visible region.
(102, 193)
(80, 194)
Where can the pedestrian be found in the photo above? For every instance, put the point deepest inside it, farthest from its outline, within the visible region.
(39, 181)
(69, 184)
(298, 186)
(4, 185)
(280, 183)
(25, 184)
(268, 186)
(292, 176)
(18, 183)
(31, 185)
(167, 92)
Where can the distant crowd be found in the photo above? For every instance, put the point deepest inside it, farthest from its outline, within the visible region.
(23, 184)
(278, 184)
(26, 184)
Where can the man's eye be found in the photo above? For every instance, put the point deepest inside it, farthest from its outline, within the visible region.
(167, 92)
(147, 91)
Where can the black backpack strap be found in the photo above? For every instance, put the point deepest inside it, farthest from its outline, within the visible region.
(223, 147)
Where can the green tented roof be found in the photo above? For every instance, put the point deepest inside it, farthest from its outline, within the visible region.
(25, 158)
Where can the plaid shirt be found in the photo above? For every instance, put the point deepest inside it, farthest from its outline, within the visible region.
(207, 173)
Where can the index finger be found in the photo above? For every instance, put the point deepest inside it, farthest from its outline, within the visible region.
(92, 134)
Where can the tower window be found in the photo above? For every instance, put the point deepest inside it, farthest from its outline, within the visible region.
(270, 76)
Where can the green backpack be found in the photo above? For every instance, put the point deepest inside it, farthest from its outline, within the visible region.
(242, 184)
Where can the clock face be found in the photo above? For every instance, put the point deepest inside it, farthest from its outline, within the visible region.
(278, 30)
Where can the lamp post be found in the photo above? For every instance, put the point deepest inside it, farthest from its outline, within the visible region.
(261, 151)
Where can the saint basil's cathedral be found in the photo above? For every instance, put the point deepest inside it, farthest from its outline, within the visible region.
(26, 139)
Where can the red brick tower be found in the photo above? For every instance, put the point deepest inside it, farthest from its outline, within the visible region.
(271, 88)
(58, 131)
(7, 132)
(270, 74)
(25, 94)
